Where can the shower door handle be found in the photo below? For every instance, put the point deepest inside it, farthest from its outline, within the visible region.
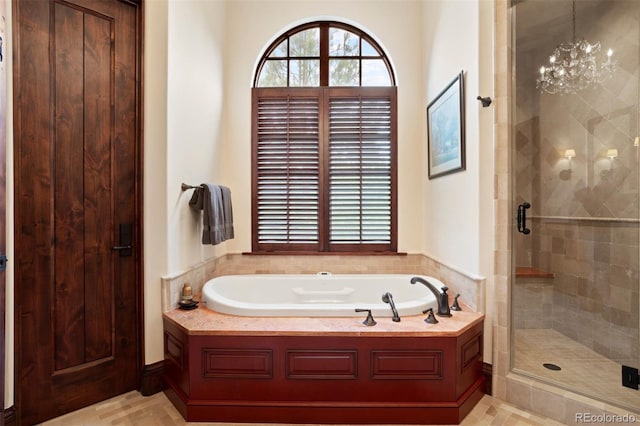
(522, 218)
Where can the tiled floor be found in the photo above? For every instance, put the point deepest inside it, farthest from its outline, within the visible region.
(133, 409)
(582, 370)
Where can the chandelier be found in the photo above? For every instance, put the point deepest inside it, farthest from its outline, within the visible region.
(573, 66)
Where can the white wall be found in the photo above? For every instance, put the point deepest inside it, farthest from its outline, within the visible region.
(458, 208)
(455, 206)
(208, 135)
(195, 94)
(155, 172)
(381, 19)
(184, 89)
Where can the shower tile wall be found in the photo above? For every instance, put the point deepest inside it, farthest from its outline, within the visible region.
(585, 211)
(533, 302)
(594, 291)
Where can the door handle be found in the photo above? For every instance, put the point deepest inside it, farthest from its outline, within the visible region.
(522, 218)
(125, 248)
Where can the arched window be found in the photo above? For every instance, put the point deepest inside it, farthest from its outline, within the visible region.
(324, 143)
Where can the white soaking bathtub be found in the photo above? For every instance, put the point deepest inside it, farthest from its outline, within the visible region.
(317, 295)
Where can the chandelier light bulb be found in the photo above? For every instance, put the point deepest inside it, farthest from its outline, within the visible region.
(542, 69)
(552, 59)
(609, 53)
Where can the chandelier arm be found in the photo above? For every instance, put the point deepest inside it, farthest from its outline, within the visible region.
(573, 15)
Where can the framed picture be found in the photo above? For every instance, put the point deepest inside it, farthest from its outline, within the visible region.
(445, 127)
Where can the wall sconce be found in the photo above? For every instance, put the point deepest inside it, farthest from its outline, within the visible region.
(570, 153)
(611, 153)
(636, 141)
(566, 173)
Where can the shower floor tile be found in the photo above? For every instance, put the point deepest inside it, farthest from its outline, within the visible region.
(582, 370)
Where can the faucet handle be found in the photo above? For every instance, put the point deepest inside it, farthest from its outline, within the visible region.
(444, 289)
(430, 319)
(369, 321)
(456, 306)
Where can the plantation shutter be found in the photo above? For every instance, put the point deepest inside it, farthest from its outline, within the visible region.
(324, 169)
(286, 169)
(361, 171)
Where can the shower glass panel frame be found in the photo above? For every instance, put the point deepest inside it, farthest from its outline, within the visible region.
(576, 203)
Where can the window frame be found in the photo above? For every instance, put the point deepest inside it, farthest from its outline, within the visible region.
(324, 57)
(324, 93)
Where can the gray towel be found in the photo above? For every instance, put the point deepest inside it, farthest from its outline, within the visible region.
(227, 212)
(217, 218)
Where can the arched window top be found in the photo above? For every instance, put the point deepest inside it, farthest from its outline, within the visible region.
(323, 54)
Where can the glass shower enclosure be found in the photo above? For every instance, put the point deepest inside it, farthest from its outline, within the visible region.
(575, 159)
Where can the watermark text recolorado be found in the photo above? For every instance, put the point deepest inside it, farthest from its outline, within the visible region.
(605, 418)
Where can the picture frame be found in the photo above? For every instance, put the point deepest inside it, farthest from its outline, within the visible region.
(445, 129)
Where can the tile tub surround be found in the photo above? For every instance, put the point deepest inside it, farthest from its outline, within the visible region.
(470, 288)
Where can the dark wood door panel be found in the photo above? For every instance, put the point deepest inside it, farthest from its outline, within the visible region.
(77, 171)
(82, 210)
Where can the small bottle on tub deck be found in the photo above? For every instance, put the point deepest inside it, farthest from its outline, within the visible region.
(186, 301)
(187, 292)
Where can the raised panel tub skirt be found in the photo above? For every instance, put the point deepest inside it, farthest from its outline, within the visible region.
(224, 368)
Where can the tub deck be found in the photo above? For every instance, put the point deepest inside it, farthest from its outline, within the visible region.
(223, 368)
(203, 321)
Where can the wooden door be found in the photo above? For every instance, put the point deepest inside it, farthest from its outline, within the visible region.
(77, 203)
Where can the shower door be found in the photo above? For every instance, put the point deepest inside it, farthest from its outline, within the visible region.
(575, 158)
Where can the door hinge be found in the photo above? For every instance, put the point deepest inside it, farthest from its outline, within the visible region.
(3, 262)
